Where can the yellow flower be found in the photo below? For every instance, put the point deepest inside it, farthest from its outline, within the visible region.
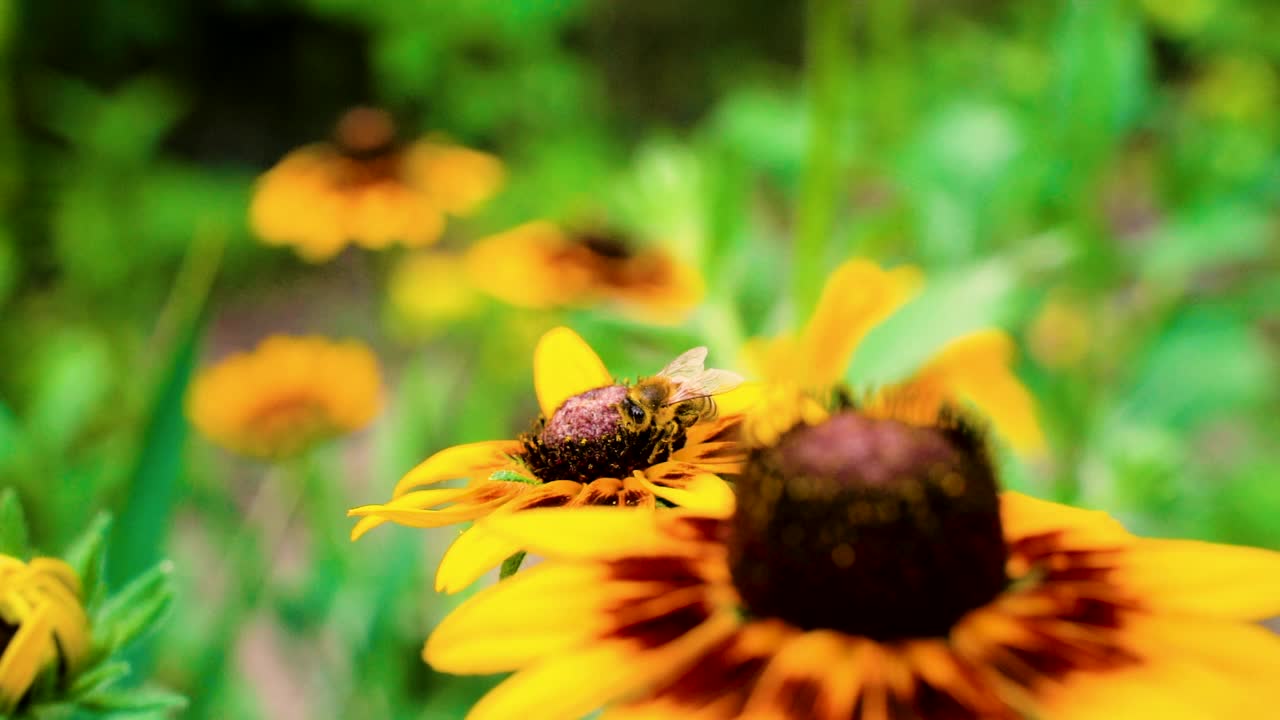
(42, 624)
(428, 290)
(972, 369)
(583, 451)
(1091, 623)
(368, 188)
(538, 265)
(285, 395)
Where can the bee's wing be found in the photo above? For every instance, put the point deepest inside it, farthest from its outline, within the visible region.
(704, 383)
(687, 365)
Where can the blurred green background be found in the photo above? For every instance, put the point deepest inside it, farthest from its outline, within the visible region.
(1099, 177)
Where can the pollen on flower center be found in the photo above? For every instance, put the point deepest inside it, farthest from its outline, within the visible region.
(588, 438)
(869, 526)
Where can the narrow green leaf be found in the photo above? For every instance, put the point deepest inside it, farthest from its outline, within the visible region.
(98, 678)
(136, 608)
(135, 701)
(13, 524)
(86, 557)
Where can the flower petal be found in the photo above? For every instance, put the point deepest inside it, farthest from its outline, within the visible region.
(977, 368)
(25, 654)
(588, 532)
(540, 689)
(545, 609)
(414, 510)
(459, 461)
(858, 296)
(477, 550)
(1024, 516)
(1200, 578)
(1193, 670)
(564, 366)
(688, 487)
(740, 399)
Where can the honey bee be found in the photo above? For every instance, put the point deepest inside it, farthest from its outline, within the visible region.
(679, 395)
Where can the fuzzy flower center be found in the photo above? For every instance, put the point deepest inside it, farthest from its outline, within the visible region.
(869, 526)
(596, 434)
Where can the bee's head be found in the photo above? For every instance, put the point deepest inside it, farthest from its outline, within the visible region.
(634, 410)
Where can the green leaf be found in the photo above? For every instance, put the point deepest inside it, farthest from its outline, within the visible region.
(133, 611)
(511, 565)
(512, 476)
(13, 525)
(86, 557)
(98, 678)
(135, 701)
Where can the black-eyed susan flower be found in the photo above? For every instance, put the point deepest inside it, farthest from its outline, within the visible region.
(369, 188)
(857, 598)
(43, 625)
(539, 265)
(598, 442)
(285, 395)
(870, 569)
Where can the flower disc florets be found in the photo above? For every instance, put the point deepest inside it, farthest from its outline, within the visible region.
(869, 526)
(593, 435)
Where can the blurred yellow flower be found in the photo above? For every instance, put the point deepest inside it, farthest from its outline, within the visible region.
(430, 289)
(42, 624)
(1061, 334)
(285, 395)
(539, 265)
(1236, 88)
(368, 188)
(859, 295)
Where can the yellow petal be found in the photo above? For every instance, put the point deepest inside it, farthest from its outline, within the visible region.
(475, 552)
(977, 368)
(1024, 516)
(1200, 578)
(476, 501)
(1192, 671)
(586, 532)
(541, 691)
(564, 366)
(459, 461)
(26, 652)
(541, 610)
(701, 492)
(370, 519)
(857, 297)
(810, 656)
(739, 400)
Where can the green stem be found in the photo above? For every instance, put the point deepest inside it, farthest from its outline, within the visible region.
(827, 25)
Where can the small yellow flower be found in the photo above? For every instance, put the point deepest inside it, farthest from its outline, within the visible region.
(583, 451)
(285, 395)
(539, 265)
(1061, 334)
(42, 624)
(428, 290)
(367, 187)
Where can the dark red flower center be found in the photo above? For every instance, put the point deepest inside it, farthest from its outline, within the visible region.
(596, 434)
(365, 133)
(869, 526)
